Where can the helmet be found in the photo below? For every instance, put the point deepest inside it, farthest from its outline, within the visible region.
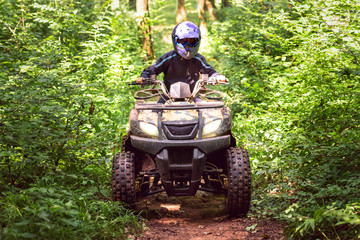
(186, 38)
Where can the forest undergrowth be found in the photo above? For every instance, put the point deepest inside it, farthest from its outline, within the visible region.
(294, 70)
(294, 93)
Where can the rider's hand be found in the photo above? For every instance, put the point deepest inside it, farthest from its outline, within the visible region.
(220, 78)
(217, 79)
(140, 80)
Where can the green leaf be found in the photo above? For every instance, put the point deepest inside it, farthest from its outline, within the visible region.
(251, 228)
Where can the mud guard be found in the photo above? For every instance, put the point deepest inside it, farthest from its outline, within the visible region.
(166, 168)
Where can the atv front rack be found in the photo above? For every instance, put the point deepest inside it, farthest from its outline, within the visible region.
(159, 106)
(149, 93)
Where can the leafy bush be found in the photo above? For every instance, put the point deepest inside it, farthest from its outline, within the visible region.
(294, 93)
(329, 222)
(63, 107)
(63, 75)
(65, 206)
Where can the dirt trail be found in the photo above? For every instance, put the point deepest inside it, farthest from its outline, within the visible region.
(201, 217)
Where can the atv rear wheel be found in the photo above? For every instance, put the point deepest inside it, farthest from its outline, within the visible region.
(239, 181)
(123, 177)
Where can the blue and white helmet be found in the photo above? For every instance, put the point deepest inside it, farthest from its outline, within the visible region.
(186, 38)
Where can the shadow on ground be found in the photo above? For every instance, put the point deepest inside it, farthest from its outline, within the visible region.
(201, 206)
(201, 217)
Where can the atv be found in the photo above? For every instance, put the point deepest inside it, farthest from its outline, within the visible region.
(181, 146)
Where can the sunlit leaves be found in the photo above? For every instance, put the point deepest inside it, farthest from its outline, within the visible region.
(294, 75)
(63, 82)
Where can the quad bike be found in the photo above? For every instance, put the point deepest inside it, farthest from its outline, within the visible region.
(182, 146)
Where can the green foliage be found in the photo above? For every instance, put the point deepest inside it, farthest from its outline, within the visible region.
(62, 82)
(329, 223)
(64, 104)
(294, 73)
(65, 206)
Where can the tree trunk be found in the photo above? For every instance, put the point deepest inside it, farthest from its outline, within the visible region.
(181, 14)
(210, 7)
(202, 17)
(142, 9)
(290, 6)
(225, 3)
(132, 4)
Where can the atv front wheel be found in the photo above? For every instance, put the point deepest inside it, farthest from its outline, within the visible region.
(239, 181)
(123, 177)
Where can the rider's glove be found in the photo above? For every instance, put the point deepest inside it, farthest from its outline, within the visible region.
(140, 80)
(217, 79)
(220, 78)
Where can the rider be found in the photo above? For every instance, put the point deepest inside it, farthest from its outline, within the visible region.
(184, 63)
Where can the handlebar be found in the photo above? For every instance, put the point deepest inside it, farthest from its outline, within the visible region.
(204, 80)
(207, 80)
(144, 82)
(213, 80)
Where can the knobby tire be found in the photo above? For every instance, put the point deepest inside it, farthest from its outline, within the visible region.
(123, 177)
(239, 181)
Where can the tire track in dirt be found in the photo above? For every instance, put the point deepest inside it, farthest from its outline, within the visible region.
(202, 217)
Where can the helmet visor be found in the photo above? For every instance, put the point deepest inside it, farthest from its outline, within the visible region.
(191, 42)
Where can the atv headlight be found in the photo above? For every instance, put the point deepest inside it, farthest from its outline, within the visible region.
(149, 129)
(210, 128)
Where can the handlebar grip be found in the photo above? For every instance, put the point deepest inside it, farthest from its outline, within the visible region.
(225, 81)
(135, 83)
(144, 81)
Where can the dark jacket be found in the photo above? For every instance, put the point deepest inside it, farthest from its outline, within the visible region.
(177, 68)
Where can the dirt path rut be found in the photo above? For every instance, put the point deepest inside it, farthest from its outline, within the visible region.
(202, 217)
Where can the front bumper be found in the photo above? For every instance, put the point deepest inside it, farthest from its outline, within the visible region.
(154, 146)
